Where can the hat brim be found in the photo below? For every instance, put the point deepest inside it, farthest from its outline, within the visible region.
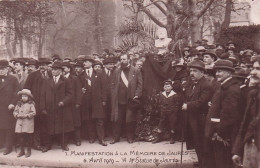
(56, 67)
(191, 66)
(224, 68)
(215, 57)
(1, 67)
(25, 93)
(88, 59)
(238, 76)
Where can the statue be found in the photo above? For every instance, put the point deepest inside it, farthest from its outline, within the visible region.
(162, 43)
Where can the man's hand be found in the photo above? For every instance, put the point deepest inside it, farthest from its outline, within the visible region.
(44, 112)
(209, 104)
(184, 106)
(61, 104)
(84, 90)
(77, 105)
(104, 103)
(237, 160)
(10, 107)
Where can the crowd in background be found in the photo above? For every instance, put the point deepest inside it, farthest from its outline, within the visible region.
(208, 98)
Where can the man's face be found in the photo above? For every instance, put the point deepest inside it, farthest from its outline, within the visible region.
(56, 71)
(18, 67)
(196, 74)
(255, 74)
(31, 68)
(78, 69)
(66, 69)
(230, 52)
(207, 59)
(3, 71)
(43, 67)
(87, 64)
(167, 88)
(97, 67)
(109, 66)
(124, 60)
(139, 64)
(222, 75)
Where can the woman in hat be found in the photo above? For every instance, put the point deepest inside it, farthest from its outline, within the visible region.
(24, 114)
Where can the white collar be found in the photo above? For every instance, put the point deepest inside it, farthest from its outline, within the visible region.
(170, 94)
(90, 71)
(67, 75)
(222, 83)
(56, 77)
(106, 70)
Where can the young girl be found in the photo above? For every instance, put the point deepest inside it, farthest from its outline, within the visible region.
(24, 113)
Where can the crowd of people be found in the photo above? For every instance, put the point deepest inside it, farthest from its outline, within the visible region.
(209, 99)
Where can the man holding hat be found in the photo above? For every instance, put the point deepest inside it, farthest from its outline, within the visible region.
(9, 86)
(55, 104)
(76, 101)
(223, 117)
(198, 94)
(34, 82)
(94, 99)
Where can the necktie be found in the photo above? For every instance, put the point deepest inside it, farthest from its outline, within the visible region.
(56, 79)
(88, 73)
(108, 73)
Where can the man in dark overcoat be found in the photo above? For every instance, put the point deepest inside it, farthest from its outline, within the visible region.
(93, 101)
(55, 103)
(34, 82)
(109, 67)
(246, 150)
(76, 101)
(198, 94)
(223, 118)
(126, 85)
(9, 87)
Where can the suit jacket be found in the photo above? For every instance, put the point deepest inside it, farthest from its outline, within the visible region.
(135, 88)
(225, 105)
(23, 78)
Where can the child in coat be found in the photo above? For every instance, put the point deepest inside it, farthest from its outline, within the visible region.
(24, 112)
(169, 105)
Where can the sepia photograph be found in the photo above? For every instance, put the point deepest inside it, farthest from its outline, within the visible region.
(129, 83)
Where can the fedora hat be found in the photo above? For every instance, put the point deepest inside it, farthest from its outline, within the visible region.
(57, 65)
(89, 58)
(25, 92)
(44, 61)
(197, 64)
(225, 65)
(212, 53)
(109, 60)
(4, 63)
(193, 52)
(67, 64)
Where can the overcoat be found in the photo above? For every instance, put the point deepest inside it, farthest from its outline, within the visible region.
(197, 108)
(76, 99)
(25, 125)
(225, 106)
(9, 87)
(92, 107)
(135, 87)
(59, 119)
(22, 79)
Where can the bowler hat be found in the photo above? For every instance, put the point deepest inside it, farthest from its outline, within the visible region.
(197, 64)
(19, 60)
(212, 53)
(97, 63)
(79, 63)
(193, 52)
(32, 62)
(25, 92)
(109, 60)
(4, 63)
(56, 57)
(240, 73)
(89, 58)
(57, 65)
(67, 64)
(44, 61)
(224, 64)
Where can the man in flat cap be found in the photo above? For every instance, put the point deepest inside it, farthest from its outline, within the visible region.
(9, 87)
(223, 117)
(198, 94)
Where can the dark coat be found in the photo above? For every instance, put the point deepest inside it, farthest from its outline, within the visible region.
(76, 99)
(58, 118)
(35, 83)
(169, 104)
(135, 87)
(225, 105)
(9, 87)
(247, 127)
(92, 107)
(197, 107)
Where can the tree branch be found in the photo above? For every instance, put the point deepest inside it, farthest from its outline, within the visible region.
(160, 7)
(205, 8)
(156, 21)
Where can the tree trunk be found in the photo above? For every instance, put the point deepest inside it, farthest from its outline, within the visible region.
(8, 40)
(227, 17)
(21, 45)
(97, 26)
(194, 22)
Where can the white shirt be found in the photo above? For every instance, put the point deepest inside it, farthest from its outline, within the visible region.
(67, 75)
(108, 72)
(56, 78)
(89, 71)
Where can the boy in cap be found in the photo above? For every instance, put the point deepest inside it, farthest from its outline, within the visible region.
(169, 105)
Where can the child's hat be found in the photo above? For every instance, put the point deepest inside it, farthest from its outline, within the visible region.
(167, 82)
(25, 92)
